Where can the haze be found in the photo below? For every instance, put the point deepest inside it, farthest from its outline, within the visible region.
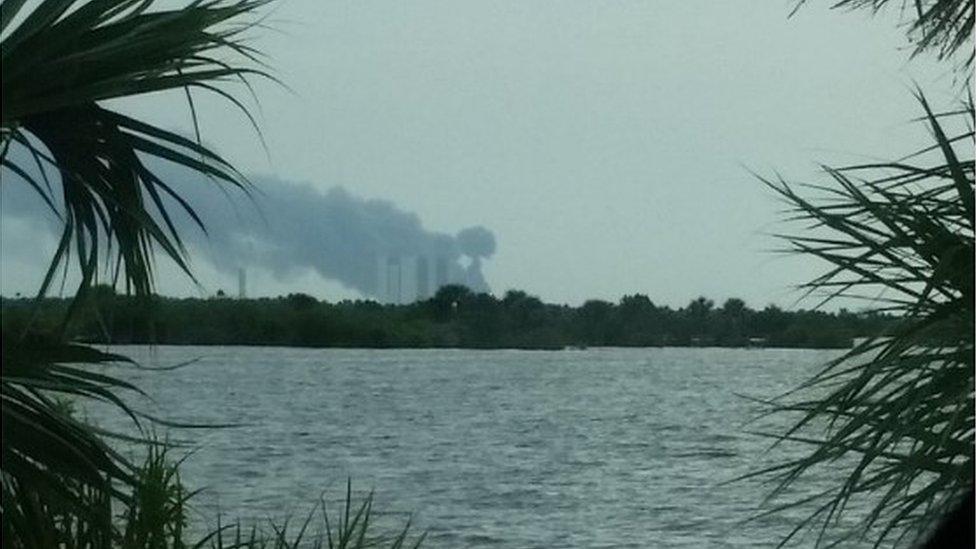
(606, 144)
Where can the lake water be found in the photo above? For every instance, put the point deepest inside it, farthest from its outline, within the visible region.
(502, 449)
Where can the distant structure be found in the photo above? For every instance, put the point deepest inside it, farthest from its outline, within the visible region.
(405, 279)
(394, 280)
(423, 279)
(241, 283)
(441, 273)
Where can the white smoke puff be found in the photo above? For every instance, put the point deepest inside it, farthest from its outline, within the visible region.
(476, 241)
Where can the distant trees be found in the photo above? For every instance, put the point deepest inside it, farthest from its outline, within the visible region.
(301, 302)
(634, 306)
(733, 307)
(448, 299)
(454, 317)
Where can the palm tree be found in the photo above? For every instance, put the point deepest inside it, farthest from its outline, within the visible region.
(63, 62)
(899, 235)
(900, 408)
(940, 26)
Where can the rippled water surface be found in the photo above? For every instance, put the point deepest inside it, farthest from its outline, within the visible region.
(504, 449)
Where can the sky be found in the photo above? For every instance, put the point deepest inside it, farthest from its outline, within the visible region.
(609, 146)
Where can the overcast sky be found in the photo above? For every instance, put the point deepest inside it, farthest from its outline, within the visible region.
(607, 144)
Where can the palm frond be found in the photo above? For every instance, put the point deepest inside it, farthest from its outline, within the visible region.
(51, 459)
(942, 26)
(899, 408)
(352, 527)
(62, 62)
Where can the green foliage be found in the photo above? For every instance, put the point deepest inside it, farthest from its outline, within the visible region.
(62, 61)
(56, 469)
(942, 26)
(899, 408)
(353, 528)
(63, 486)
(155, 516)
(453, 318)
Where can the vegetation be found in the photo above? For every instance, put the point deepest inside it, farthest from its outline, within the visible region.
(940, 26)
(900, 406)
(899, 235)
(53, 498)
(64, 61)
(455, 317)
(898, 409)
(155, 515)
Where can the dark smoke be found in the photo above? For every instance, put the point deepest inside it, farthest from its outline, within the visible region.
(476, 242)
(289, 227)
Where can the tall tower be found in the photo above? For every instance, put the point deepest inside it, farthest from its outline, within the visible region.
(441, 273)
(408, 279)
(241, 283)
(394, 283)
(423, 278)
(381, 282)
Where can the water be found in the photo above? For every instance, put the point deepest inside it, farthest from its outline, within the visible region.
(502, 449)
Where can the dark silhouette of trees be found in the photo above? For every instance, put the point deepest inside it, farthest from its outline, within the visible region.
(454, 317)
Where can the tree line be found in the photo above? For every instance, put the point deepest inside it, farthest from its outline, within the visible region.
(454, 317)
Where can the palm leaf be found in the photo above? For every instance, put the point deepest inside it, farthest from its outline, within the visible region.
(901, 407)
(50, 459)
(64, 61)
(942, 26)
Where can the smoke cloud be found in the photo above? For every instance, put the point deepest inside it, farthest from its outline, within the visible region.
(288, 228)
(476, 242)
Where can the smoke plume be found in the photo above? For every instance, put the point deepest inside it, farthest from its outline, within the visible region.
(290, 227)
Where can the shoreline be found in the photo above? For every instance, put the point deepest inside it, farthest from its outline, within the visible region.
(459, 348)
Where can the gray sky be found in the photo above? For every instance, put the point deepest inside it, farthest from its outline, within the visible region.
(605, 143)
